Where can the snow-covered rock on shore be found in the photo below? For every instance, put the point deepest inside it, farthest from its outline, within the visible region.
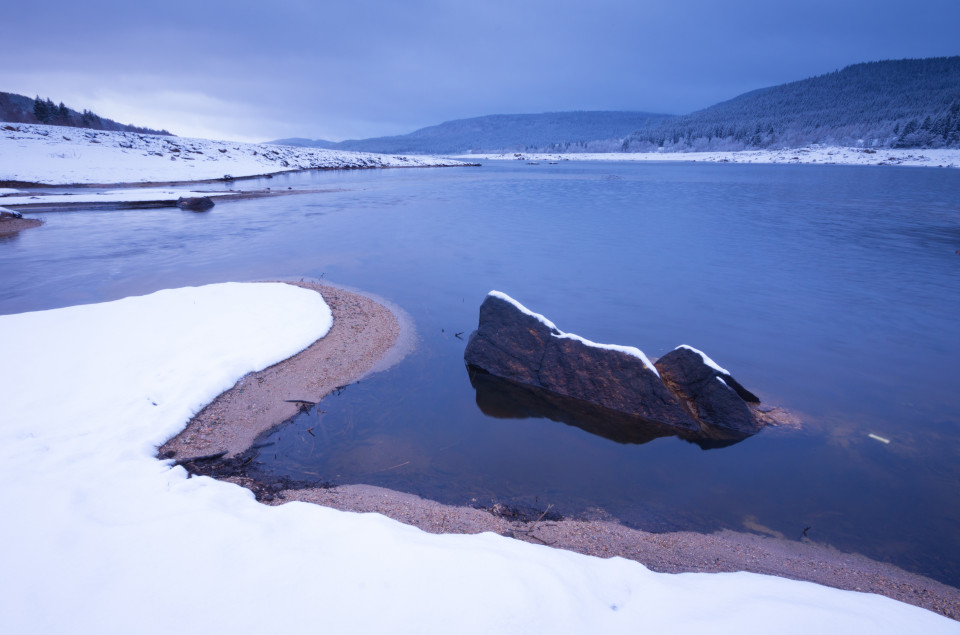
(57, 155)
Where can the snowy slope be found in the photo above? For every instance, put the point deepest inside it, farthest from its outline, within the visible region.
(57, 155)
(100, 537)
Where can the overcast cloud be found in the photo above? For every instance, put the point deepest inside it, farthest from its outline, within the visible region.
(263, 70)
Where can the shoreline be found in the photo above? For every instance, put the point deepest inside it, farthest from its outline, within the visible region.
(85, 203)
(725, 551)
(363, 335)
(363, 332)
(246, 177)
(807, 155)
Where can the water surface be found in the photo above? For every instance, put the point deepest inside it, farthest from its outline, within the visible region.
(829, 290)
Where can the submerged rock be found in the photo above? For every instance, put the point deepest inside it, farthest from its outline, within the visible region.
(195, 203)
(685, 390)
(715, 398)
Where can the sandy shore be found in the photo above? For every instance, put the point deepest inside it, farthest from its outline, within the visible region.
(9, 226)
(362, 333)
(674, 552)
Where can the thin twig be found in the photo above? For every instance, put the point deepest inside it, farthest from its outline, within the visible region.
(206, 457)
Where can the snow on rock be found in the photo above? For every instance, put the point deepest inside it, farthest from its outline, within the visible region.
(102, 537)
(6, 191)
(59, 155)
(706, 360)
(815, 154)
(629, 350)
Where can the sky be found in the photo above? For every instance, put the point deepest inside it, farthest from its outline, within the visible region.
(254, 71)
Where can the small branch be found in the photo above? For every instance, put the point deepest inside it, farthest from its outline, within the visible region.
(206, 457)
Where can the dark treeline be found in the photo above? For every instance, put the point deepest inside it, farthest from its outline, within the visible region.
(900, 104)
(20, 109)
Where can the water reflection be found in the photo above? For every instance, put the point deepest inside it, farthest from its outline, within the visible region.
(504, 399)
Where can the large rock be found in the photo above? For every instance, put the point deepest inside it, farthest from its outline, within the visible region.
(714, 396)
(685, 390)
(517, 344)
(195, 203)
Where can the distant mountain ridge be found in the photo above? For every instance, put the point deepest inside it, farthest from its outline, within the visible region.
(303, 142)
(21, 109)
(504, 133)
(910, 103)
(895, 103)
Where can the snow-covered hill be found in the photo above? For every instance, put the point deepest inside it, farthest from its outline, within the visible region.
(56, 155)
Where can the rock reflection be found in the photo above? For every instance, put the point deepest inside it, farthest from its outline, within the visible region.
(505, 399)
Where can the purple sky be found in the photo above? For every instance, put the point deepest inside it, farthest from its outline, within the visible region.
(256, 71)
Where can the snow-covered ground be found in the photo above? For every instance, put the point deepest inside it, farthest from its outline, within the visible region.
(138, 195)
(949, 158)
(59, 156)
(101, 537)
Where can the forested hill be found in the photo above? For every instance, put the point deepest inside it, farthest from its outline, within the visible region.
(559, 131)
(903, 103)
(19, 109)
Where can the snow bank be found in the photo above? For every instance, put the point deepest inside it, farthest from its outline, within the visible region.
(942, 157)
(629, 350)
(138, 195)
(101, 537)
(59, 155)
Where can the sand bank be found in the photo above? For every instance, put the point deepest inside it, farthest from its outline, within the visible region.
(9, 226)
(363, 333)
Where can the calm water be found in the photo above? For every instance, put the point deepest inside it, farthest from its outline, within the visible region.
(830, 290)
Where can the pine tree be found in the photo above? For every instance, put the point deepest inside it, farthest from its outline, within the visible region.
(40, 110)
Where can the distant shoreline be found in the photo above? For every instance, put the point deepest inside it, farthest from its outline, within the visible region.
(810, 155)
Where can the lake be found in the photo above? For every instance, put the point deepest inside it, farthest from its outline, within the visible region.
(829, 290)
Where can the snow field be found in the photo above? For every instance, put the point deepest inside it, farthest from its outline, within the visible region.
(56, 155)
